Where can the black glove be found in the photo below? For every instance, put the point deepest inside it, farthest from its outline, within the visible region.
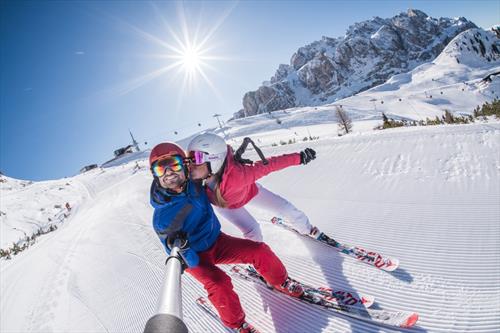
(307, 155)
(183, 247)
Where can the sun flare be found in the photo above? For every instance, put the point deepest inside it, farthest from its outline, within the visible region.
(191, 59)
(187, 51)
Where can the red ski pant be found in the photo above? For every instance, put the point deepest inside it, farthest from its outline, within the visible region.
(232, 250)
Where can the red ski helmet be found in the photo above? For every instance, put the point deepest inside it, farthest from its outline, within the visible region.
(165, 149)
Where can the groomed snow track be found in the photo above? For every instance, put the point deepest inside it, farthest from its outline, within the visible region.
(429, 196)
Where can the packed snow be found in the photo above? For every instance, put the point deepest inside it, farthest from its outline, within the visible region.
(426, 195)
(429, 196)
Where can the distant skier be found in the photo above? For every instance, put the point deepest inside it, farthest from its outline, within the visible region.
(182, 209)
(231, 184)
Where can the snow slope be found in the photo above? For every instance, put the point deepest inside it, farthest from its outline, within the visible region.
(31, 206)
(425, 92)
(427, 195)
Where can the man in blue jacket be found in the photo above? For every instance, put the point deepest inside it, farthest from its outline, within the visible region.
(181, 208)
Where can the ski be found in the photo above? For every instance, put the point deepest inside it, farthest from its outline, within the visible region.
(369, 257)
(404, 319)
(341, 296)
(206, 305)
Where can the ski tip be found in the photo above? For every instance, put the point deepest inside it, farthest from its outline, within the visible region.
(411, 321)
(392, 265)
(367, 300)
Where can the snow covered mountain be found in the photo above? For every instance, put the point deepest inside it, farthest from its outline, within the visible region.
(426, 195)
(427, 91)
(465, 75)
(370, 53)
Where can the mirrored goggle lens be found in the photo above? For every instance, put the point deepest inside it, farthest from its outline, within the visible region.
(198, 157)
(173, 163)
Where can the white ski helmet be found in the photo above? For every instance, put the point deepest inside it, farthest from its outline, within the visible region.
(213, 147)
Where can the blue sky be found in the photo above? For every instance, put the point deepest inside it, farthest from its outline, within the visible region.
(70, 87)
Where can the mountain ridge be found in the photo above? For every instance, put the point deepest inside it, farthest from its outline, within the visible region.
(367, 55)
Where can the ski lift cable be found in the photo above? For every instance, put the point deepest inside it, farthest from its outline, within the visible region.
(270, 113)
(175, 131)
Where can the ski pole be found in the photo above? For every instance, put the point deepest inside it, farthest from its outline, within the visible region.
(169, 313)
(243, 147)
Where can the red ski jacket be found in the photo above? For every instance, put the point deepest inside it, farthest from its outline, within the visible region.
(238, 180)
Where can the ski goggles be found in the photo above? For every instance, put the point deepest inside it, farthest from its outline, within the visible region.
(173, 163)
(198, 157)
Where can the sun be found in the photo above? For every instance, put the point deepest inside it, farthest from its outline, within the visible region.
(191, 59)
(188, 53)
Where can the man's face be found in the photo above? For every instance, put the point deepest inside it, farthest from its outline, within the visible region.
(172, 180)
(170, 172)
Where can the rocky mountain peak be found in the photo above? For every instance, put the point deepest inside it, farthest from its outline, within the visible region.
(367, 55)
(416, 13)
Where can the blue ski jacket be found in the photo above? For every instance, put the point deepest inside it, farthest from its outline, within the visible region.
(189, 212)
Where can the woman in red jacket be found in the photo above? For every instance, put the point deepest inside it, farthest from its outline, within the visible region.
(230, 185)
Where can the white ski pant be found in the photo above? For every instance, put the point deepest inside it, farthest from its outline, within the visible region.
(270, 201)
